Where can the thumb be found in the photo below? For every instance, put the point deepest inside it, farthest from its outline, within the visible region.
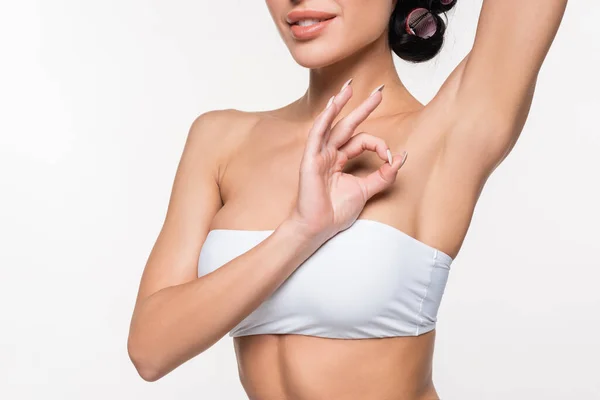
(383, 178)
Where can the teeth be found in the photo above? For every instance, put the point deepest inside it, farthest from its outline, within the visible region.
(308, 22)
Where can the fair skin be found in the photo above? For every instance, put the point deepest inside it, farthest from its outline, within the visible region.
(280, 170)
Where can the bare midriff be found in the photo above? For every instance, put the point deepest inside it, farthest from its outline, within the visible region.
(297, 367)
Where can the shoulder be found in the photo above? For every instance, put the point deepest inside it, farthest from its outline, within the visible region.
(214, 135)
(222, 127)
(222, 122)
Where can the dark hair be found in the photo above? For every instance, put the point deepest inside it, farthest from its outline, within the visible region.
(416, 30)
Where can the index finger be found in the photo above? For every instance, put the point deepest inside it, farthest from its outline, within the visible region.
(318, 133)
(343, 130)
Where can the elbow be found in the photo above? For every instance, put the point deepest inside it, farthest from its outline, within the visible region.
(147, 367)
(149, 375)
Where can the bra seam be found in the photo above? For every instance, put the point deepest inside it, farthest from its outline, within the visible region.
(420, 314)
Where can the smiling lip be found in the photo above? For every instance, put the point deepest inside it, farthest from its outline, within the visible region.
(311, 31)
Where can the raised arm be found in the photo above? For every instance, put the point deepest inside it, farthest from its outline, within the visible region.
(178, 315)
(492, 88)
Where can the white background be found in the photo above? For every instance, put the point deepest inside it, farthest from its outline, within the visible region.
(96, 99)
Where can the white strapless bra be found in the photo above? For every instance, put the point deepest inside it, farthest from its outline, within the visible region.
(368, 281)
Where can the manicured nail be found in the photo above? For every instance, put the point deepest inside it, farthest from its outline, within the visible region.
(348, 82)
(389, 154)
(380, 88)
(405, 156)
(330, 102)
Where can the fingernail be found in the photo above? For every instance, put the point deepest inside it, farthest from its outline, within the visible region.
(348, 82)
(330, 102)
(389, 154)
(380, 88)
(405, 156)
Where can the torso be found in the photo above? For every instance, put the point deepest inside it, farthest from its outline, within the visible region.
(258, 181)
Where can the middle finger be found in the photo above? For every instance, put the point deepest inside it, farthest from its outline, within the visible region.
(344, 128)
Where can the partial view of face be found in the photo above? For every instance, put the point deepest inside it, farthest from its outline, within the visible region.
(321, 32)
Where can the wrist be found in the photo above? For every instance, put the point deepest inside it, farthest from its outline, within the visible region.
(302, 232)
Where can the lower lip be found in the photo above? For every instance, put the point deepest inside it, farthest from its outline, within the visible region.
(311, 31)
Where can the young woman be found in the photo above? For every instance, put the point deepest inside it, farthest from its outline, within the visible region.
(295, 231)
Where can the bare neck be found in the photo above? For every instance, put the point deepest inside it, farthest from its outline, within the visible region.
(369, 67)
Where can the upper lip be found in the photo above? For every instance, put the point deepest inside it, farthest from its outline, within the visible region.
(298, 15)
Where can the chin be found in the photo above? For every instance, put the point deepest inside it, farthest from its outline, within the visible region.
(317, 54)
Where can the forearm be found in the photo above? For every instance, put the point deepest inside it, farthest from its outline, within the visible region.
(179, 322)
